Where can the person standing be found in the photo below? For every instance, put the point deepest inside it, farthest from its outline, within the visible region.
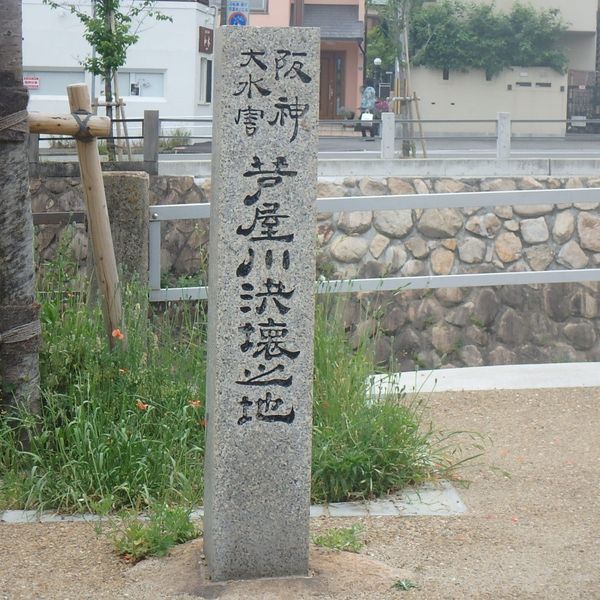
(367, 106)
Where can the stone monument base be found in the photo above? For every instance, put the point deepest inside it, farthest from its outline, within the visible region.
(334, 574)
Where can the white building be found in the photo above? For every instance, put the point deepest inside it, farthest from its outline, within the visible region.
(169, 69)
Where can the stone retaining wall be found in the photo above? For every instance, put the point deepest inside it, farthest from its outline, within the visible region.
(447, 327)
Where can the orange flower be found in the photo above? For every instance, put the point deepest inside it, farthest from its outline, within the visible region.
(141, 405)
(195, 403)
(117, 334)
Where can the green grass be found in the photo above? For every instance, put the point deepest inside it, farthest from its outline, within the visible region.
(343, 538)
(125, 429)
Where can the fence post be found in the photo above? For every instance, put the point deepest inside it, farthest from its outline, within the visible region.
(388, 135)
(503, 132)
(151, 139)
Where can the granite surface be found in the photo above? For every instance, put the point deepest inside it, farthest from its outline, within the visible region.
(261, 304)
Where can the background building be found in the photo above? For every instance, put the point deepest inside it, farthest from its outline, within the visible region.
(342, 33)
(169, 69)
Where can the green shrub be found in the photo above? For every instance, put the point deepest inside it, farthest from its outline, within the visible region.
(124, 429)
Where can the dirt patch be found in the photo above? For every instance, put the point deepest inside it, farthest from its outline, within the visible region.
(531, 530)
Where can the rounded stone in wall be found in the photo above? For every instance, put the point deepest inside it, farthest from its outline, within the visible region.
(445, 338)
(413, 267)
(393, 320)
(556, 301)
(572, 256)
(486, 225)
(440, 222)
(475, 335)
(371, 270)
(581, 335)
(442, 261)
(504, 212)
(428, 312)
(450, 186)
(534, 231)
(508, 247)
(407, 344)
(470, 356)
(584, 304)
(421, 186)
(378, 245)
(533, 210)
(561, 352)
(355, 222)
(372, 187)
(399, 186)
(383, 350)
(418, 247)
(472, 250)
(502, 356)
(529, 183)
(532, 354)
(513, 295)
(497, 185)
(564, 227)
(588, 228)
(511, 328)
(449, 296)
(393, 223)
(348, 249)
(539, 257)
(485, 307)
(328, 189)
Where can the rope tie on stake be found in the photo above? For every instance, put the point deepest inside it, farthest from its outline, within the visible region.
(21, 333)
(15, 121)
(83, 135)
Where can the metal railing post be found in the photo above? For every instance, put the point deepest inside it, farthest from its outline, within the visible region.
(151, 140)
(503, 133)
(388, 135)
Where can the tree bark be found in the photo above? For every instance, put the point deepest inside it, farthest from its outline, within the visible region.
(19, 324)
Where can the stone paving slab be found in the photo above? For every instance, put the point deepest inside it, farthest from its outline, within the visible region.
(430, 499)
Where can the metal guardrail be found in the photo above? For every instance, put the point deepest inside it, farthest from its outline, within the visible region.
(161, 213)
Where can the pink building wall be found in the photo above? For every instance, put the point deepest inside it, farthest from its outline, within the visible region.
(279, 16)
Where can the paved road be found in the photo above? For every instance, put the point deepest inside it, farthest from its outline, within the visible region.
(573, 147)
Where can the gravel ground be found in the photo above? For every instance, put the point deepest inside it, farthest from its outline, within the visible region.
(531, 530)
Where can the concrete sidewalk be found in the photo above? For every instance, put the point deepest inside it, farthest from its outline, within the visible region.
(504, 377)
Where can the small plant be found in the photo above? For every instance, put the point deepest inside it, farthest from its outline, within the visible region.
(404, 585)
(135, 539)
(176, 138)
(477, 321)
(343, 538)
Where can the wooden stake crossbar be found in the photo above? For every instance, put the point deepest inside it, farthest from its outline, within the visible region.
(85, 127)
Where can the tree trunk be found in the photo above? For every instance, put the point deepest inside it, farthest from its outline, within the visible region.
(19, 324)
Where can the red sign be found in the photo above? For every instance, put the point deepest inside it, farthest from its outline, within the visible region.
(31, 82)
(205, 44)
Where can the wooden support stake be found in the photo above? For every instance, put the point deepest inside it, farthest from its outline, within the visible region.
(423, 147)
(105, 264)
(68, 125)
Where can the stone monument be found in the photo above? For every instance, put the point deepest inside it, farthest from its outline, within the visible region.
(261, 302)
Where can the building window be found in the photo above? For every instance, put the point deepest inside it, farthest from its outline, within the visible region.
(205, 81)
(259, 6)
(139, 83)
(51, 83)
